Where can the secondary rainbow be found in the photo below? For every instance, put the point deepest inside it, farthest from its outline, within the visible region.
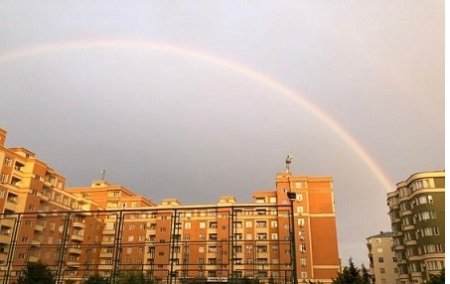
(272, 83)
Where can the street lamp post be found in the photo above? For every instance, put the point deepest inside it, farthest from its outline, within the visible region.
(292, 196)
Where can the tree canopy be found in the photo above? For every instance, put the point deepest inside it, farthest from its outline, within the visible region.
(437, 279)
(353, 275)
(36, 273)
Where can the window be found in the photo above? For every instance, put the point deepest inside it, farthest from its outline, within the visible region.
(301, 222)
(8, 161)
(187, 225)
(201, 249)
(260, 200)
(262, 236)
(202, 225)
(301, 235)
(303, 261)
(436, 231)
(304, 274)
(380, 259)
(274, 236)
(273, 224)
(213, 225)
(4, 178)
(302, 247)
(382, 270)
(248, 224)
(261, 224)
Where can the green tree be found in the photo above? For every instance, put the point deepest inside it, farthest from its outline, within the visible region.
(96, 279)
(36, 273)
(135, 277)
(437, 279)
(352, 275)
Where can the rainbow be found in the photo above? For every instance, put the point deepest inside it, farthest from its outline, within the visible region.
(241, 69)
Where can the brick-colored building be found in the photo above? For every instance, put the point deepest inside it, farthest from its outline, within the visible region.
(108, 229)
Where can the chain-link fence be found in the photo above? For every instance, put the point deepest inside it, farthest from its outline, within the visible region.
(169, 245)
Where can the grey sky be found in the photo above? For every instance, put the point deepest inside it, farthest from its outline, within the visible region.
(170, 125)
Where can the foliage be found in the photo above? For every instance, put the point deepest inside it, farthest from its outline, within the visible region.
(352, 275)
(36, 273)
(96, 279)
(135, 277)
(437, 279)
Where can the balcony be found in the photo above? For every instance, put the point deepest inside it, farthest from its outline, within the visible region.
(73, 263)
(109, 231)
(5, 239)
(39, 228)
(8, 222)
(36, 243)
(33, 258)
(77, 238)
(108, 242)
(399, 247)
(77, 224)
(411, 243)
(408, 228)
(3, 258)
(40, 213)
(74, 251)
(105, 267)
(406, 212)
(48, 183)
(9, 205)
(43, 197)
(106, 255)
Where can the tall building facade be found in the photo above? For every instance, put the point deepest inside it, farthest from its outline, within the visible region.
(32, 227)
(285, 233)
(383, 262)
(417, 212)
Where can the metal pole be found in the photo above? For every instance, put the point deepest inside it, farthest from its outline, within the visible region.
(9, 261)
(117, 246)
(59, 276)
(172, 245)
(294, 249)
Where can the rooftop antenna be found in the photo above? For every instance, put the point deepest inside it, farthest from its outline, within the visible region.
(103, 171)
(289, 159)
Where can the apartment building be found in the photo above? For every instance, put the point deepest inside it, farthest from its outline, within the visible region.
(283, 233)
(223, 240)
(32, 227)
(122, 241)
(417, 212)
(383, 262)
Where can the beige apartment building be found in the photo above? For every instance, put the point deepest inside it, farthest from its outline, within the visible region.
(417, 212)
(285, 233)
(383, 262)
